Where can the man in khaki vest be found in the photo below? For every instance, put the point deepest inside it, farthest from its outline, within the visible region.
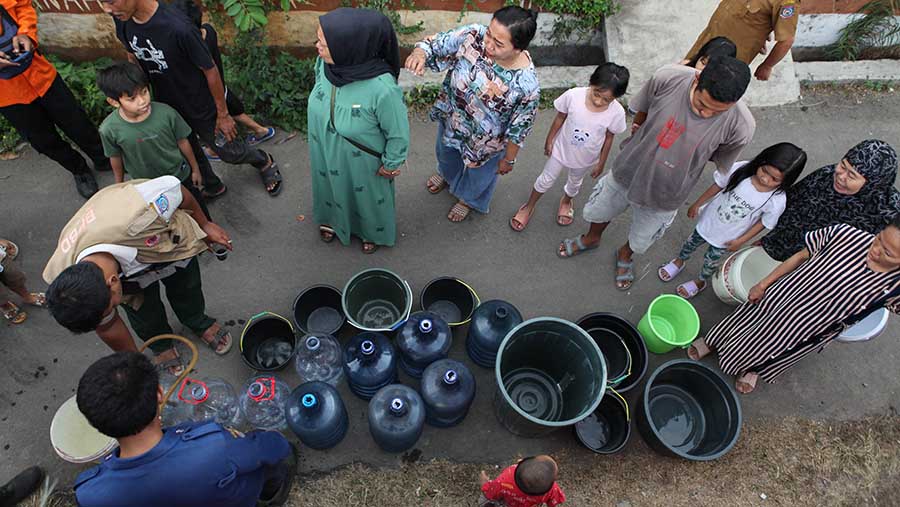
(116, 250)
(748, 24)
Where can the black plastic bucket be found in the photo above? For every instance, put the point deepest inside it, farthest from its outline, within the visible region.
(451, 298)
(611, 332)
(267, 342)
(377, 300)
(688, 410)
(550, 374)
(607, 429)
(317, 310)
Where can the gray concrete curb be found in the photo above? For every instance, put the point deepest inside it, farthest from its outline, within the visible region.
(866, 70)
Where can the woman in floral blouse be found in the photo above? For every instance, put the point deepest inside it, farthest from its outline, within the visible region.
(486, 107)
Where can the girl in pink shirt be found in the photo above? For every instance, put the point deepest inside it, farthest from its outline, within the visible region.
(579, 140)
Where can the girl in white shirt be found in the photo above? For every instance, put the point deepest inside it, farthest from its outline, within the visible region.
(750, 198)
(579, 140)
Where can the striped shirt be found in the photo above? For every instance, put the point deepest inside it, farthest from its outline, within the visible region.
(807, 308)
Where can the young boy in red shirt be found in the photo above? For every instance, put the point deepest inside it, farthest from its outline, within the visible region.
(528, 483)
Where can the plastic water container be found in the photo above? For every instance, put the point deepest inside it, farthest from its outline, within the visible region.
(319, 357)
(422, 340)
(867, 328)
(370, 363)
(396, 417)
(211, 399)
(263, 403)
(448, 389)
(740, 272)
(316, 414)
(174, 412)
(490, 324)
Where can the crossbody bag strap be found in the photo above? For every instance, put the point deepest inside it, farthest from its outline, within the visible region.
(358, 146)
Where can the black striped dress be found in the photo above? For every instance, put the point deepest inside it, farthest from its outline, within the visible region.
(805, 309)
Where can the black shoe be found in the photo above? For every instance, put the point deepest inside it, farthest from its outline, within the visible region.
(21, 486)
(86, 184)
(281, 496)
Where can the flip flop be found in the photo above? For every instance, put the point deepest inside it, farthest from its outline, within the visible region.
(252, 140)
(699, 348)
(671, 270)
(690, 289)
(326, 233)
(40, 299)
(174, 366)
(435, 184)
(749, 380)
(571, 252)
(269, 175)
(217, 193)
(459, 210)
(13, 314)
(12, 250)
(368, 247)
(627, 276)
(522, 222)
(220, 342)
(564, 218)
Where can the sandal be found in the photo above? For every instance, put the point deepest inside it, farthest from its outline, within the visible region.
(173, 365)
(39, 300)
(669, 271)
(436, 183)
(518, 224)
(698, 349)
(220, 342)
(210, 154)
(689, 289)
(12, 313)
(566, 249)
(565, 216)
(12, 250)
(217, 193)
(253, 140)
(458, 212)
(746, 383)
(326, 233)
(270, 174)
(368, 247)
(626, 278)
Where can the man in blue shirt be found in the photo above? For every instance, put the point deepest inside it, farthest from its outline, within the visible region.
(188, 465)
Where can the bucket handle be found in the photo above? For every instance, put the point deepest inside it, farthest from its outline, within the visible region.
(475, 294)
(627, 372)
(261, 314)
(624, 402)
(407, 311)
(195, 355)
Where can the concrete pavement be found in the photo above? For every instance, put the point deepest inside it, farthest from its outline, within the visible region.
(276, 256)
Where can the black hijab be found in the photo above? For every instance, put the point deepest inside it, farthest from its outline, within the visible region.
(362, 43)
(813, 203)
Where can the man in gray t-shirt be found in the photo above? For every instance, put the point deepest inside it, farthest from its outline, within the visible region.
(683, 120)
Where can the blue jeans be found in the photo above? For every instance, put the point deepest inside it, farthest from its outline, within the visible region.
(471, 185)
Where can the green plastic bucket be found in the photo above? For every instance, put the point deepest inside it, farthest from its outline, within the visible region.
(671, 321)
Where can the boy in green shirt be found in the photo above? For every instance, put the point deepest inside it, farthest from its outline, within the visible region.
(143, 138)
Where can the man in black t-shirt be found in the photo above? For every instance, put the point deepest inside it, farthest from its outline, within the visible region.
(171, 51)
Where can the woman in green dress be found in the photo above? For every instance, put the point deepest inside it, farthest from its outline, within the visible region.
(358, 128)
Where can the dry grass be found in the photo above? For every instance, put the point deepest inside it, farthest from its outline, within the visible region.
(790, 462)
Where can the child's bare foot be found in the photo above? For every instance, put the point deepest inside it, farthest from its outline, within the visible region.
(746, 383)
(698, 350)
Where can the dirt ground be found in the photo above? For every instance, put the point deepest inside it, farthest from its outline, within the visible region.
(790, 462)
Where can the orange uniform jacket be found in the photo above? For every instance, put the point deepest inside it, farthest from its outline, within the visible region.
(36, 80)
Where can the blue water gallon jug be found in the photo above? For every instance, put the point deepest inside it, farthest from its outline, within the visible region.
(422, 340)
(319, 357)
(490, 324)
(263, 402)
(396, 417)
(316, 414)
(448, 389)
(370, 363)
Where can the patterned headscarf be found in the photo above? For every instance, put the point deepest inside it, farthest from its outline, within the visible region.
(813, 202)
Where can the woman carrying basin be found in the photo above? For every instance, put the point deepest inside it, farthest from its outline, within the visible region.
(841, 274)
